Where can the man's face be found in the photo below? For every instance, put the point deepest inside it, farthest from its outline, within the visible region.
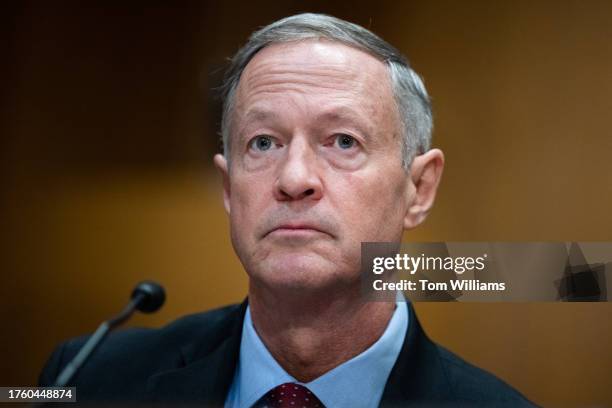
(315, 166)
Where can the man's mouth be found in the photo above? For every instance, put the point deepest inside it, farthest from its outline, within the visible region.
(297, 229)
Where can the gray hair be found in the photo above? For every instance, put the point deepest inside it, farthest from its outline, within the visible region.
(410, 95)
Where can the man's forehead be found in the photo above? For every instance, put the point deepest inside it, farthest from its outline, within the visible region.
(313, 57)
(326, 74)
(314, 51)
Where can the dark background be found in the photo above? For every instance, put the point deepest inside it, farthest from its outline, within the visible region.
(108, 127)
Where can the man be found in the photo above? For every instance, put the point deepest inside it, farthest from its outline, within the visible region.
(326, 133)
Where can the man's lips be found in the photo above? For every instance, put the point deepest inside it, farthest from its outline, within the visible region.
(297, 229)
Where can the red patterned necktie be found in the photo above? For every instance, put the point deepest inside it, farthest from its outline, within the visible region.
(290, 395)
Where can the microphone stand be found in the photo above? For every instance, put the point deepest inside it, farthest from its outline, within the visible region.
(71, 369)
(147, 297)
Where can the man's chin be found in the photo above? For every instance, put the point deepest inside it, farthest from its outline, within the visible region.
(300, 272)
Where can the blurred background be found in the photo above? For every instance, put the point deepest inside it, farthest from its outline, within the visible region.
(108, 127)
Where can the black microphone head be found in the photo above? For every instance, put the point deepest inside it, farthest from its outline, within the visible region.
(153, 296)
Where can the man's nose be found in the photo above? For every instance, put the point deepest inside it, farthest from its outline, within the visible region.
(298, 176)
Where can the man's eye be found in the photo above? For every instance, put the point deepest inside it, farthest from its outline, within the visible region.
(345, 141)
(261, 143)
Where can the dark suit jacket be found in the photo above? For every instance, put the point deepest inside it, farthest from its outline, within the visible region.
(193, 360)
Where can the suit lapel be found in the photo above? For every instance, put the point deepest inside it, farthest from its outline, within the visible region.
(206, 375)
(418, 374)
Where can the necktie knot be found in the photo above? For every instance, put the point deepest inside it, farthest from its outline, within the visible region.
(290, 395)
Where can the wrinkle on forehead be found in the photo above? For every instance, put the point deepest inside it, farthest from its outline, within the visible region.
(311, 77)
(312, 66)
(313, 53)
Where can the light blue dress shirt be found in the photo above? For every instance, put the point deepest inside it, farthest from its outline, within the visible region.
(356, 383)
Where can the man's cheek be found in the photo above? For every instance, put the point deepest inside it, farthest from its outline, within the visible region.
(245, 197)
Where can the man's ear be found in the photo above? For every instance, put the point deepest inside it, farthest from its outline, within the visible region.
(425, 175)
(221, 165)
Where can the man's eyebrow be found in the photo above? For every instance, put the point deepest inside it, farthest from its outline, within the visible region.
(340, 113)
(258, 114)
(254, 115)
(345, 114)
(335, 114)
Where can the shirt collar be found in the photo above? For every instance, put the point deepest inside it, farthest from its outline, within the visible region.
(351, 384)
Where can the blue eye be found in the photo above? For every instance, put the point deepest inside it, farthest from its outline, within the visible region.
(261, 143)
(345, 141)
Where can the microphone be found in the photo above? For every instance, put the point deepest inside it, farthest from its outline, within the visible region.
(150, 296)
(147, 297)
